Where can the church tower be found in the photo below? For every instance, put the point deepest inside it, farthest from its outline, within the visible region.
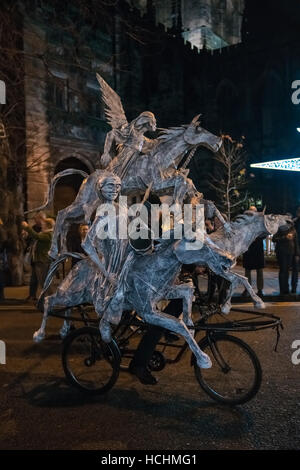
(213, 23)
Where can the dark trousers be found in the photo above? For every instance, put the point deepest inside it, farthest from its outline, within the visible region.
(33, 284)
(2, 284)
(153, 335)
(285, 262)
(217, 282)
(39, 273)
(259, 278)
(295, 270)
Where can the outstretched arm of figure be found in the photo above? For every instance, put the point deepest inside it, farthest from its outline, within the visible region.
(113, 138)
(106, 158)
(89, 248)
(226, 225)
(212, 211)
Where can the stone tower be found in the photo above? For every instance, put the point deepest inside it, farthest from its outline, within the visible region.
(205, 23)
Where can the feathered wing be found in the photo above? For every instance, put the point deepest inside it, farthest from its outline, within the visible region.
(114, 111)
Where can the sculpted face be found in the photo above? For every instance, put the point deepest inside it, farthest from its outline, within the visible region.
(146, 121)
(152, 124)
(110, 189)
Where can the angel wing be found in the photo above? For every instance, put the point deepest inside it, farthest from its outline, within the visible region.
(114, 111)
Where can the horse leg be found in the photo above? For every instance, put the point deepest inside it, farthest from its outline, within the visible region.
(40, 334)
(64, 331)
(226, 306)
(164, 320)
(72, 291)
(235, 280)
(59, 223)
(186, 293)
(49, 302)
(257, 301)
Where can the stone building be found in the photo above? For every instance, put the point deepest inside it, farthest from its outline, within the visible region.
(242, 89)
(65, 123)
(204, 23)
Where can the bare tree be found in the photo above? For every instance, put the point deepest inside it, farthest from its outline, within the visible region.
(229, 179)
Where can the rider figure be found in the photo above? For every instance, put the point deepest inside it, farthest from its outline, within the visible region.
(130, 142)
(110, 254)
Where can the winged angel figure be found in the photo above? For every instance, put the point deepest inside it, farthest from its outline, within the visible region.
(125, 141)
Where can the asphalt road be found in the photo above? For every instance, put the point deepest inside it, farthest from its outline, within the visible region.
(39, 410)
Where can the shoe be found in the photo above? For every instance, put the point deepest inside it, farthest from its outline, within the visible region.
(31, 299)
(143, 374)
(260, 293)
(105, 331)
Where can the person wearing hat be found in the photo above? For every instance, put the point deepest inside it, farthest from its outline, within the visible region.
(287, 252)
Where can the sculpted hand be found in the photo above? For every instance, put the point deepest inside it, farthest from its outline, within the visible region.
(105, 159)
(227, 230)
(113, 278)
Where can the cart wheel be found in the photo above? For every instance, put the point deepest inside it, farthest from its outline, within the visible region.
(235, 376)
(157, 361)
(90, 364)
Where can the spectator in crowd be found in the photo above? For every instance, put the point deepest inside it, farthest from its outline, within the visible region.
(75, 238)
(40, 258)
(3, 242)
(297, 223)
(296, 265)
(254, 258)
(287, 252)
(31, 244)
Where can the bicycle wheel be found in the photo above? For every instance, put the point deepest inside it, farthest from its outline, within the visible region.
(90, 364)
(235, 376)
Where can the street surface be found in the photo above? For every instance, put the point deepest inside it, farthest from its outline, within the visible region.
(39, 410)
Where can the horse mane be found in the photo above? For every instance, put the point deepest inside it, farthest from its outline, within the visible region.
(240, 221)
(243, 219)
(171, 133)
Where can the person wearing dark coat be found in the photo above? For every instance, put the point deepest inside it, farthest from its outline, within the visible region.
(287, 252)
(254, 258)
(296, 264)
